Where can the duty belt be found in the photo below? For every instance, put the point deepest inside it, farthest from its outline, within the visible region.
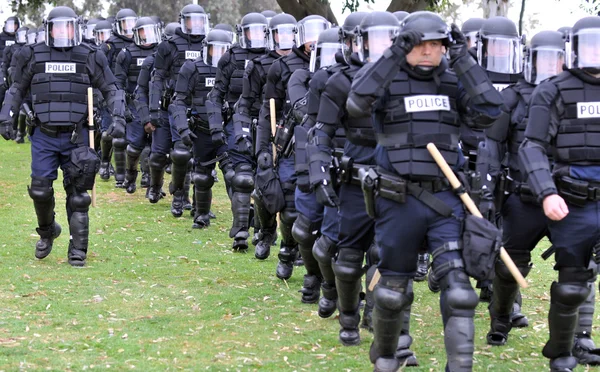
(53, 131)
(521, 189)
(577, 192)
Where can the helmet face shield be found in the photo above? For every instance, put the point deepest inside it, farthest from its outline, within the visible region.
(542, 63)
(100, 36)
(31, 38)
(146, 34)
(309, 30)
(11, 26)
(374, 41)
(471, 39)
(41, 36)
(194, 24)
(585, 49)
(282, 37)
(213, 51)
(63, 32)
(254, 36)
(125, 26)
(500, 54)
(323, 55)
(88, 31)
(21, 36)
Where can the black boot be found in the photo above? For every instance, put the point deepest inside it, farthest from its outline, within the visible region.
(131, 169)
(240, 208)
(130, 180)
(177, 203)
(517, 318)
(584, 348)
(287, 255)
(349, 333)
(77, 208)
(311, 289)
(266, 238)
(106, 147)
(328, 302)
(268, 232)
(203, 200)
(42, 194)
(43, 247)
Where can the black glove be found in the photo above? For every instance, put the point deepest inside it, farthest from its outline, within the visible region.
(187, 137)
(407, 40)
(458, 46)
(117, 128)
(155, 118)
(218, 138)
(326, 195)
(6, 130)
(264, 160)
(244, 145)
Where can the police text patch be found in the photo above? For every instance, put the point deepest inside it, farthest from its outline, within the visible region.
(192, 54)
(588, 110)
(140, 61)
(60, 68)
(246, 63)
(9, 42)
(500, 87)
(209, 82)
(426, 103)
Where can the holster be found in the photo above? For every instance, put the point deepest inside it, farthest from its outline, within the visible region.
(166, 99)
(32, 120)
(369, 184)
(196, 123)
(284, 134)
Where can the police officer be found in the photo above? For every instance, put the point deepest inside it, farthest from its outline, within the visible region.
(310, 223)
(276, 87)
(196, 79)
(7, 38)
(160, 141)
(146, 36)
(59, 137)
(41, 35)
(281, 40)
(470, 29)
(524, 224)
(8, 67)
(562, 114)
(252, 33)
(170, 56)
(228, 29)
(88, 30)
(418, 101)
(269, 14)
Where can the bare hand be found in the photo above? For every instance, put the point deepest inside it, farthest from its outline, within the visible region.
(149, 128)
(555, 207)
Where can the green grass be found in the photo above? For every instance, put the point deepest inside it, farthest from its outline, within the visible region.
(157, 295)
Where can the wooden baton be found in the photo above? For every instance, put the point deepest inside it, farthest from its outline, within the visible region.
(91, 133)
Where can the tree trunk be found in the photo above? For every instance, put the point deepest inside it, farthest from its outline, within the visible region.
(302, 8)
(493, 8)
(408, 5)
(521, 15)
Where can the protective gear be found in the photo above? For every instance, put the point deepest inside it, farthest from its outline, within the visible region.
(180, 157)
(78, 203)
(157, 172)
(133, 157)
(326, 195)
(544, 57)
(268, 228)
(348, 32)
(214, 46)
(470, 28)
(305, 233)
(228, 30)
(187, 137)
(117, 128)
(252, 31)
(242, 185)
(170, 29)
(347, 267)
(193, 20)
(88, 29)
(146, 31)
(102, 32)
(288, 251)
(119, 147)
(400, 15)
(309, 29)
(125, 22)
(584, 348)
(282, 31)
(6, 130)
(42, 194)
(323, 251)
(310, 289)
(11, 25)
(324, 51)
(21, 35)
(203, 182)
(422, 267)
(58, 25)
(458, 48)
(264, 160)
(499, 46)
(375, 34)
(106, 148)
(458, 302)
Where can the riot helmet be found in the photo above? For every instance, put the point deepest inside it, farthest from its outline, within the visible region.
(63, 28)
(427, 55)
(102, 31)
(309, 29)
(252, 31)
(566, 31)
(41, 35)
(21, 35)
(216, 43)
(146, 32)
(226, 28)
(11, 25)
(32, 35)
(470, 29)
(348, 32)
(499, 47)
(170, 29)
(400, 15)
(88, 29)
(376, 33)
(193, 20)
(585, 44)
(125, 22)
(268, 15)
(159, 22)
(282, 31)
(323, 52)
(544, 57)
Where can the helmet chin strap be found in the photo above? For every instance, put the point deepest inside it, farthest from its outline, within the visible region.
(592, 70)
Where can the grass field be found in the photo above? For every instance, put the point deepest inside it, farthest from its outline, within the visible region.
(157, 295)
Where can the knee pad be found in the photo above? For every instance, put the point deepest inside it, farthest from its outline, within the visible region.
(41, 189)
(459, 297)
(105, 137)
(157, 161)
(119, 143)
(180, 156)
(203, 178)
(288, 216)
(80, 201)
(304, 231)
(324, 249)
(133, 152)
(243, 181)
(393, 293)
(373, 254)
(572, 287)
(348, 265)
